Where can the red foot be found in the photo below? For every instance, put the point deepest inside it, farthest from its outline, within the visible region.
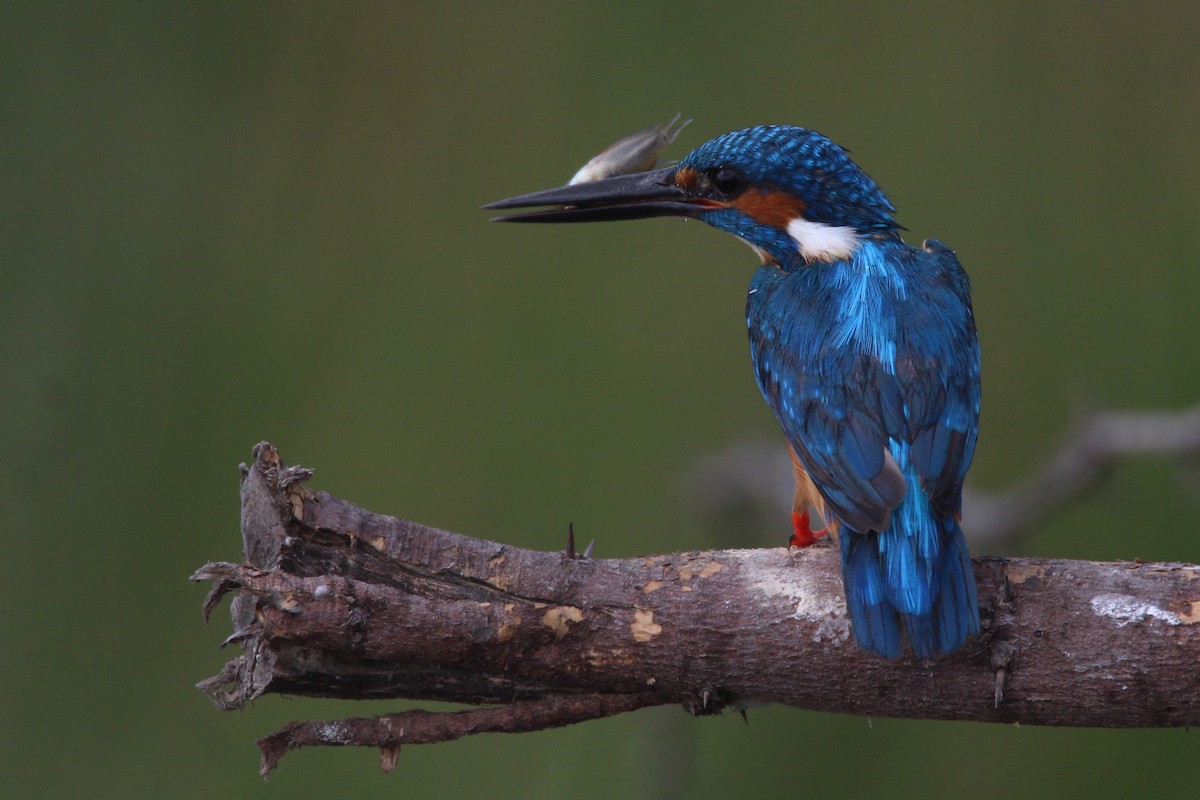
(802, 533)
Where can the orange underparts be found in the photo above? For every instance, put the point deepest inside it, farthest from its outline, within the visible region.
(802, 533)
(806, 494)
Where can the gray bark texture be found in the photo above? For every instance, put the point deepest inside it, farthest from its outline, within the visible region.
(336, 601)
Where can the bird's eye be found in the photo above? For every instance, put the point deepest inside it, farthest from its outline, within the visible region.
(727, 182)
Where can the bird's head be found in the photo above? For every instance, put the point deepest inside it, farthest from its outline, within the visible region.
(791, 193)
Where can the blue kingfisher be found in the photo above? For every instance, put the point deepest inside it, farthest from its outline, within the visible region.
(863, 346)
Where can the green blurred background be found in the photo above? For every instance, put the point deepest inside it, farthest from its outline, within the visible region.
(226, 222)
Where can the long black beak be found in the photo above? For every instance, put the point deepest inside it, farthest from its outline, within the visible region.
(640, 196)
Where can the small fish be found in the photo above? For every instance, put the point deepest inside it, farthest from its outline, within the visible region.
(637, 152)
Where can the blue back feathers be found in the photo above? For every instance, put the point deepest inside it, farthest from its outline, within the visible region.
(871, 363)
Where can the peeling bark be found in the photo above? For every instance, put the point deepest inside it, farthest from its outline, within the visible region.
(335, 601)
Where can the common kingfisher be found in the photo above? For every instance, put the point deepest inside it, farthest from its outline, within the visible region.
(864, 347)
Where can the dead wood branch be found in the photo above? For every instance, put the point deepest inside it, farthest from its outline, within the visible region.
(390, 731)
(335, 601)
(754, 476)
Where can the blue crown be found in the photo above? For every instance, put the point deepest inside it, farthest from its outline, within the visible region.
(806, 165)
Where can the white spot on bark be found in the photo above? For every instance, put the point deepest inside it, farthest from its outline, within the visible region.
(1125, 608)
(335, 732)
(824, 609)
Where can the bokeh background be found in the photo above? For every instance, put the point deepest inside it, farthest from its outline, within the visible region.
(228, 222)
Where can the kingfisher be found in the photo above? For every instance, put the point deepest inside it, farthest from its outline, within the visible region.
(865, 348)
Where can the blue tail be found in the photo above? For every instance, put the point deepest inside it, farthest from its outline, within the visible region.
(919, 581)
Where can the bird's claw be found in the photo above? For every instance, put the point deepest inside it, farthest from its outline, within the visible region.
(802, 533)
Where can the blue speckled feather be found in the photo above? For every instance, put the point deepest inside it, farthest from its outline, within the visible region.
(866, 360)
(866, 350)
(832, 187)
(864, 346)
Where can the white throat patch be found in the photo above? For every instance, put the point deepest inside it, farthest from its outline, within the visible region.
(818, 241)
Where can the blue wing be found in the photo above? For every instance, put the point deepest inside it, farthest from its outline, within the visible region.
(872, 367)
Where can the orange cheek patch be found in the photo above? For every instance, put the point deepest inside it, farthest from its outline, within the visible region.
(776, 209)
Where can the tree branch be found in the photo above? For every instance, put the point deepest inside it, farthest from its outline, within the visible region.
(1096, 442)
(390, 731)
(335, 601)
(757, 476)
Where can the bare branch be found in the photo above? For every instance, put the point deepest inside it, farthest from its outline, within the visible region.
(1096, 443)
(390, 731)
(335, 601)
(757, 475)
